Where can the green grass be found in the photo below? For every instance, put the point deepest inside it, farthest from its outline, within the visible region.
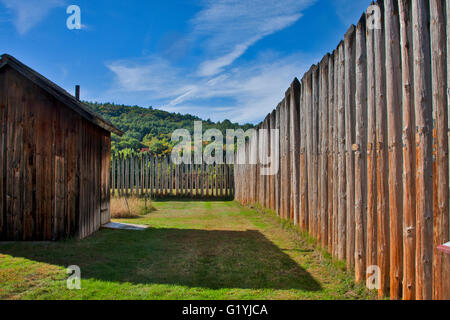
(192, 250)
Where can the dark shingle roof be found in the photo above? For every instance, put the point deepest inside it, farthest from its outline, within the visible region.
(59, 93)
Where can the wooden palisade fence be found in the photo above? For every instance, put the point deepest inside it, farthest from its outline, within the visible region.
(147, 175)
(363, 150)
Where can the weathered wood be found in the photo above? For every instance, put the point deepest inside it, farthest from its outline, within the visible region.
(137, 167)
(330, 142)
(359, 194)
(424, 158)
(284, 145)
(393, 103)
(126, 184)
(44, 193)
(28, 168)
(150, 175)
(371, 153)
(278, 175)
(163, 176)
(360, 151)
(119, 174)
(274, 154)
(132, 175)
(342, 177)
(382, 158)
(146, 174)
(106, 214)
(349, 45)
(260, 157)
(116, 174)
(309, 149)
(265, 178)
(123, 175)
(225, 180)
(205, 179)
(324, 145)
(294, 147)
(58, 222)
(81, 158)
(215, 175)
(14, 149)
(158, 174)
(246, 170)
(159, 177)
(3, 145)
(314, 151)
(302, 160)
(336, 155)
(113, 174)
(303, 193)
(439, 65)
(142, 173)
(196, 178)
(166, 176)
(319, 158)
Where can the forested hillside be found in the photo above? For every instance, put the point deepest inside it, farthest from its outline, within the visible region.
(151, 128)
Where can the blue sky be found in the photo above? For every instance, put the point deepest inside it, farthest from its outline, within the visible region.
(218, 59)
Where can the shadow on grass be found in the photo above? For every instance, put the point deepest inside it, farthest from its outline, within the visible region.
(193, 258)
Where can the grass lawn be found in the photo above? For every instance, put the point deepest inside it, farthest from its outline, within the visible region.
(192, 250)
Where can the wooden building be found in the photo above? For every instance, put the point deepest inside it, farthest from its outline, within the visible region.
(54, 159)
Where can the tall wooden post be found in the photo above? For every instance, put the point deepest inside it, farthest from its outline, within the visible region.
(349, 44)
(315, 150)
(324, 146)
(382, 159)
(440, 106)
(360, 151)
(309, 159)
(331, 169)
(394, 116)
(424, 158)
(342, 174)
(303, 194)
(294, 147)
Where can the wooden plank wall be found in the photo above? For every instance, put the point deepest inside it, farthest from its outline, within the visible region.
(53, 163)
(147, 175)
(364, 164)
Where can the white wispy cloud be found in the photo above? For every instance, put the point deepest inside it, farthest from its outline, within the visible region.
(253, 90)
(150, 74)
(212, 67)
(230, 27)
(28, 13)
(247, 93)
(220, 86)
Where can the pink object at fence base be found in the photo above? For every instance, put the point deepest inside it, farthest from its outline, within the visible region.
(445, 248)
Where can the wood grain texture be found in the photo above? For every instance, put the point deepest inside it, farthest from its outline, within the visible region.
(324, 146)
(441, 177)
(360, 151)
(393, 104)
(382, 157)
(51, 186)
(330, 164)
(294, 148)
(349, 45)
(424, 157)
(342, 174)
(368, 192)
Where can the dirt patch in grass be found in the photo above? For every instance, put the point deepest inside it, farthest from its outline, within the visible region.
(130, 207)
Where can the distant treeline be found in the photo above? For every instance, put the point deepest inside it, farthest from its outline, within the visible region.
(150, 129)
